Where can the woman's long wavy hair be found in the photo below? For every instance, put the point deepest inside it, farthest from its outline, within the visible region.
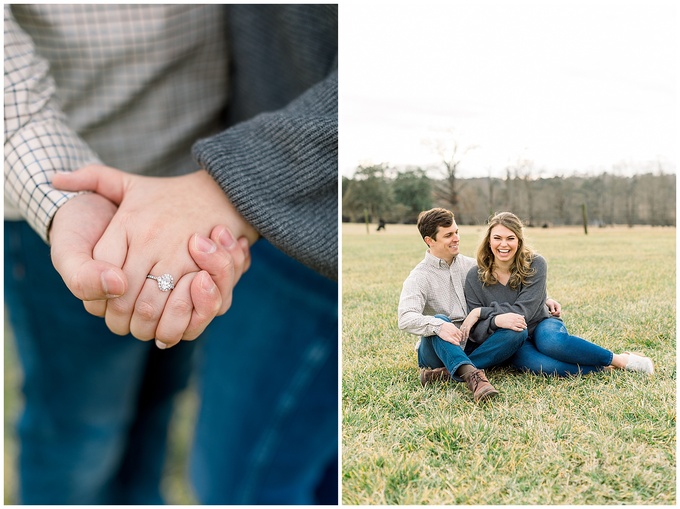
(520, 270)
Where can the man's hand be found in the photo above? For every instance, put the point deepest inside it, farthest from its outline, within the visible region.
(450, 333)
(148, 235)
(76, 228)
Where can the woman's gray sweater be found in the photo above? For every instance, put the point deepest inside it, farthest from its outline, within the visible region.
(278, 163)
(527, 300)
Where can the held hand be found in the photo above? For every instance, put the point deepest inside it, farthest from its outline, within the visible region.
(511, 321)
(554, 307)
(450, 333)
(76, 228)
(222, 260)
(148, 235)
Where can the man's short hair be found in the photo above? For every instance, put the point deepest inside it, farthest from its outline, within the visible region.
(430, 220)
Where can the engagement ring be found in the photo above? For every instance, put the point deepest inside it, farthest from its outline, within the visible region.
(165, 282)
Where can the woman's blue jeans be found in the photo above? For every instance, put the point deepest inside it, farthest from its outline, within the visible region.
(434, 352)
(551, 350)
(267, 430)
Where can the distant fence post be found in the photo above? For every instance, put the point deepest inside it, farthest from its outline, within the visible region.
(584, 211)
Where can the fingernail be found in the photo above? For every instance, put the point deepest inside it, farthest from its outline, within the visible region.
(205, 245)
(243, 243)
(226, 239)
(161, 345)
(115, 279)
(207, 283)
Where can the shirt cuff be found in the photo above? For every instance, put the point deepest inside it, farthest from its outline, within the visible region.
(32, 157)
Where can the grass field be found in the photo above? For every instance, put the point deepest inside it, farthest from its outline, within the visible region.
(607, 438)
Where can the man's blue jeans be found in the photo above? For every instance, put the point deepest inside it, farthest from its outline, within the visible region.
(97, 406)
(434, 352)
(551, 350)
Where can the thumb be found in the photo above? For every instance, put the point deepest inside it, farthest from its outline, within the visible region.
(76, 228)
(86, 278)
(103, 180)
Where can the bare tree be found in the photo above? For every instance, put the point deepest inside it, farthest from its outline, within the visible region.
(562, 189)
(525, 173)
(510, 194)
(631, 202)
(449, 190)
(492, 183)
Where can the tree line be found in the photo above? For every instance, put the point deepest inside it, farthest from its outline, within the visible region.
(398, 195)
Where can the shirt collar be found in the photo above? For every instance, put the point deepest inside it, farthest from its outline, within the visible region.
(437, 262)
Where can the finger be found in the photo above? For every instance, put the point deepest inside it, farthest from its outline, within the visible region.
(150, 305)
(85, 276)
(243, 242)
(96, 307)
(219, 262)
(103, 180)
(176, 314)
(119, 312)
(239, 250)
(89, 279)
(207, 302)
(113, 248)
(75, 230)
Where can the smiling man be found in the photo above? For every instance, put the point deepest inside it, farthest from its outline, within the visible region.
(432, 305)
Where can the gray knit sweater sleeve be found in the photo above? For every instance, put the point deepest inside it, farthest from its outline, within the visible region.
(279, 167)
(280, 171)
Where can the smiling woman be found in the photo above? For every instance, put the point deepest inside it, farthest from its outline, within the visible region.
(503, 256)
(508, 292)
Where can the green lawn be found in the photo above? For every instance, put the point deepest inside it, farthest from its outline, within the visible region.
(607, 438)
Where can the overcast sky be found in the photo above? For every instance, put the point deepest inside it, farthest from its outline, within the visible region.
(570, 85)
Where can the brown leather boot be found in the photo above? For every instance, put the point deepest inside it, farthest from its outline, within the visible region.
(430, 375)
(479, 385)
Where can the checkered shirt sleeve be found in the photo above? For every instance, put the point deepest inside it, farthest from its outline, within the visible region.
(38, 141)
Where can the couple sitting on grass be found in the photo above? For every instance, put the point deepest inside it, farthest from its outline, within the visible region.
(499, 302)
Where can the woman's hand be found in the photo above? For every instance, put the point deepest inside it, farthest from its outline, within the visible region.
(554, 307)
(511, 321)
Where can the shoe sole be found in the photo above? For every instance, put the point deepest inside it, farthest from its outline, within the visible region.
(486, 395)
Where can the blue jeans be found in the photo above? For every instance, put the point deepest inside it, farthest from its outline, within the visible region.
(96, 406)
(434, 352)
(267, 430)
(551, 350)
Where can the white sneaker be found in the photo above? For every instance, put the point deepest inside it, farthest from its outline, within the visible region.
(639, 363)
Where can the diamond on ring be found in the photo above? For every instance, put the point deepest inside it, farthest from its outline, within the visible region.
(165, 282)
